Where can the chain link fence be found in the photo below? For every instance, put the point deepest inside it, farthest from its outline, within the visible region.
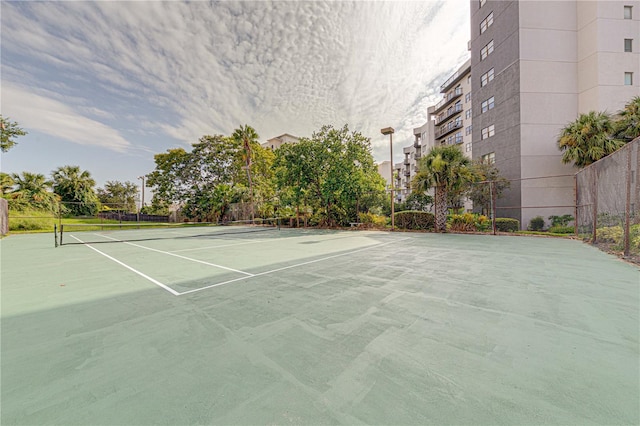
(606, 201)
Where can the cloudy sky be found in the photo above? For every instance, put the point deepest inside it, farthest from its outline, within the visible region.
(106, 85)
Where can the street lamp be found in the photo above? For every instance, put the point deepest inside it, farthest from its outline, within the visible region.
(389, 131)
(142, 201)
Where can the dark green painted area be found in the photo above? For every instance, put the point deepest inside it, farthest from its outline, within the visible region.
(339, 328)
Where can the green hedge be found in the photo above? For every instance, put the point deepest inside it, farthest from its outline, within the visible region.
(506, 224)
(413, 219)
(558, 229)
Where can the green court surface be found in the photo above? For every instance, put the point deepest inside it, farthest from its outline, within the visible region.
(317, 327)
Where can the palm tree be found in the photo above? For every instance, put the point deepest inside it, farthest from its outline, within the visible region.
(33, 189)
(588, 139)
(446, 169)
(246, 135)
(75, 187)
(627, 126)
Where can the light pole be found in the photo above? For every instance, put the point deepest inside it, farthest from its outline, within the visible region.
(389, 131)
(142, 201)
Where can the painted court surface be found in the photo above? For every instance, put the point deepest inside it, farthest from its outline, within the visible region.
(318, 327)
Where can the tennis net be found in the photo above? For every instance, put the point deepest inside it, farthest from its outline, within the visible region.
(90, 233)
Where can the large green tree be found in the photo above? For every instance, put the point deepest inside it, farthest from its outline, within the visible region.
(627, 124)
(33, 190)
(119, 196)
(190, 179)
(446, 169)
(76, 190)
(9, 130)
(333, 172)
(588, 139)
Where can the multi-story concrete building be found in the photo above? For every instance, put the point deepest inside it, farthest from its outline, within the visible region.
(275, 143)
(449, 123)
(453, 114)
(536, 65)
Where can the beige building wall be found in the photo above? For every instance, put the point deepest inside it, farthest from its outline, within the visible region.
(572, 61)
(278, 141)
(548, 100)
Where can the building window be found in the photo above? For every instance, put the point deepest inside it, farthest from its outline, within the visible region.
(458, 137)
(486, 23)
(628, 79)
(488, 104)
(467, 147)
(468, 113)
(628, 45)
(487, 132)
(468, 130)
(627, 12)
(489, 158)
(469, 79)
(482, 2)
(486, 78)
(467, 97)
(486, 51)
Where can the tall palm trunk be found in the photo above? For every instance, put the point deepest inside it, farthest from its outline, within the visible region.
(441, 209)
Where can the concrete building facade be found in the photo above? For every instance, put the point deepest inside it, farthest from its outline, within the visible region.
(449, 123)
(536, 65)
(275, 143)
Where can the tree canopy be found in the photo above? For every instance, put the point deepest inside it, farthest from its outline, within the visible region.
(119, 195)
(9, 131)
(333, 173)
(76, 190)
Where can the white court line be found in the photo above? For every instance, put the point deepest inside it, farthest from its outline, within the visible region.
(292, 266)
(214, 247)
(156, 282)
(248, 242)
(181, 257)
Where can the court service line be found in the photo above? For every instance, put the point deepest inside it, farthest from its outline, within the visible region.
(181, 257)
(156, 282)
(291, 266)
(214, 247)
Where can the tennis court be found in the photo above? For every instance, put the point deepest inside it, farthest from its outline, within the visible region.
(297, 326)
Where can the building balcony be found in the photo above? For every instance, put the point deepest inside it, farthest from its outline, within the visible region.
(455, 109)
(450, 97)
(448, 128)
(407, 172)
(406, 161)
(417, 155)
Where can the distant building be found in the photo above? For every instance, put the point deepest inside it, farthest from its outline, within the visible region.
(384, 169)
(449, 123)
(275, 143)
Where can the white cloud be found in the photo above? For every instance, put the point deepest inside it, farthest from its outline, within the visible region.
(278, 66)
(57, 119)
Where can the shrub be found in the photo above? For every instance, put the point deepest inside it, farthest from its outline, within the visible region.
(483, 223)
(414, 220)
(467, 222)
(559, 229)
(560, 220)
(370, 220)
(461, 222)
(507, 224)
(536, 224)
(610, 234)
